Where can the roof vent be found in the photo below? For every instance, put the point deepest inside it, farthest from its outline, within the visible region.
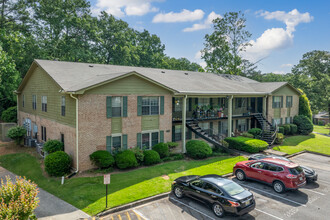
(162, 71)
(90, 65)
(186, 74)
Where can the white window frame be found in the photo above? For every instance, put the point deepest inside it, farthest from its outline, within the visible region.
(143, 97)
(44, 103)
(63, 104)
(121, 106)
(121, 141)
(150, 137)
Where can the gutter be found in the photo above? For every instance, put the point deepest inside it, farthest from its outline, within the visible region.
(77, 132)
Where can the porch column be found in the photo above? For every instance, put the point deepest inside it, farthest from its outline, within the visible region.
(264, 106)
(230, 114)
(184, 114)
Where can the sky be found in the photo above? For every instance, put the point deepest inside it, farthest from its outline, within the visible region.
(282, 31)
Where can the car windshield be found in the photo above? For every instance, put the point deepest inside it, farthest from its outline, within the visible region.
(296, 170)
(233, 188)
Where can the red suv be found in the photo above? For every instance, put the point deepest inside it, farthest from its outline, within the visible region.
(280, 174)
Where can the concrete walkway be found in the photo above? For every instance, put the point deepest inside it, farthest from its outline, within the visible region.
(51, 207)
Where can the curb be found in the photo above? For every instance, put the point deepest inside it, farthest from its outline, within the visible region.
(307, 151)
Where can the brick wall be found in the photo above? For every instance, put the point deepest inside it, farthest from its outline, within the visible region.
(293, 112)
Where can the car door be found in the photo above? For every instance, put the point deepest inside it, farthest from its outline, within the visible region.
(268, 173)
(209, 193)
(256, 171)
(195, 188)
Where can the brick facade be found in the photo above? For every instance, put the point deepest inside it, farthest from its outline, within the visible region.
(294, 110)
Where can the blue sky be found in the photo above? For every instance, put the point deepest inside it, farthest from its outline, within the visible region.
(282, 31)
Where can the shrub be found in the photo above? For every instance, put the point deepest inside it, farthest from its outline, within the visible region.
(172, 144)
(151, 157)
(162, 149)
(198, 149)
(138, 154)
(224, 143)
(19, 199)
(304, 125)
(58, 163)
(52, 146)
(304, 106)
(102, 159)
(246, 134)
(321, 123)
(279, 138)
(293, 129)
(327, 125)
(126, 159)
(287, 129)
(9, 115)
(247, 144)
(281, 129)
(17, 134)
(173, 157)
(256, 132)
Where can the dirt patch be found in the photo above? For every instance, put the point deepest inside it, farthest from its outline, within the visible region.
(165, 177)
(12, 148)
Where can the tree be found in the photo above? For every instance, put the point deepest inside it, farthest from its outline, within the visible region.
(9, 115)
(304, 106)
(223, 46)
(17, 134)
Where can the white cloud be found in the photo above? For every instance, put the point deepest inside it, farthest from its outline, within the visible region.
(279, 72)
(120, 8)
(276, 38)
(183, 16)
(198, 55)
(286, 65)
(205, 25)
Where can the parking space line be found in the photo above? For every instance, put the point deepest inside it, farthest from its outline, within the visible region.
(193, 208)
(298, 203)
(268, 214)
(322, 194)
(139, 214)
(119, 217)
(323, 181)
(128, 216)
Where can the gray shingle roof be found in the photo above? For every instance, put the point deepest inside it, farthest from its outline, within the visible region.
(73, 77)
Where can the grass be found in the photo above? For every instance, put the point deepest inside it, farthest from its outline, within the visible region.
(321, 129)
(313, 142)
(88, 193)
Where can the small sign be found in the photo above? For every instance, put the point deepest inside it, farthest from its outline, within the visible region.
(107, 179)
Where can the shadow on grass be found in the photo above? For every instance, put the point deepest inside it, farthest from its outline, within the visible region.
(296, 140)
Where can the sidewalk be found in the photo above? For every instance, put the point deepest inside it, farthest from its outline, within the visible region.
(51, 207)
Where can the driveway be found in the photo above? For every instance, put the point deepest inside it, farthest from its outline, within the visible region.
(50, 207)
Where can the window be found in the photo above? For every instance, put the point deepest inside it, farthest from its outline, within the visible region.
(277, 121)
(197, 183)
(23, 103)
(62, 138)
(43, 133)
(288, 120)
(116, 105)
(258, 165)
(44, 103)
(116, 143)
(150, 105)
(241, 102)
(277, 101)
(203, 101)
(150, 139)
(63, 105)
(154, 138)
(34, 102)
(289, 101)
(177, 132)
(209, 187)
(178, 104)
(242, 125)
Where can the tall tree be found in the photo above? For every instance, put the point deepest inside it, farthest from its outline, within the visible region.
(223, 46)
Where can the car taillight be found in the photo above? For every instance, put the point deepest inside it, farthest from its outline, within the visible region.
(291, 176)
(234, 204)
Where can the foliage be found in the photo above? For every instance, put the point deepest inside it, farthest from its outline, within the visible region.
(327, 125)
(18, 199)
(172, 144)
(173, 157)
(287, 129)
(138, 154)
(281, 129)
(198, 149)
(256, 132)
(151, 157)
(279, 138)
(247, 144)
(126, 159)
(223, 47)
(162, 149)
(321, 123)
(102, 159)
(293, 129)
(304, 125)
(52, 146)
(246, 134)
(58, 163)
(9, 115)
(304, 106)
(17, 134)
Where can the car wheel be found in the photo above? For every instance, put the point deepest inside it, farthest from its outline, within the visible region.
(218, 210)
(178, 192)
(240, 175)
(278, 187)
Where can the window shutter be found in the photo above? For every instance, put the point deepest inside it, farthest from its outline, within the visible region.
(125, 141)
(219, 127)
(139, 105)
(190, 104)
(109, 109)
(211, 101)
(173, 104)
(273, 122)
(173, 133)
(138, 139)
(125, 106)
(281, 121)
(281, 101)
(109, 144)
(161, 136)
(162, 105)
(273, 104)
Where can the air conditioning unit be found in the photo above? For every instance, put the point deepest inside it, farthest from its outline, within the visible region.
(33, 142)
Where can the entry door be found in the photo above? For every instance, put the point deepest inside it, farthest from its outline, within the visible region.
(253, 105)
(259, 105)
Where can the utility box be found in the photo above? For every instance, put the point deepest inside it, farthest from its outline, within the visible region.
(4, 127)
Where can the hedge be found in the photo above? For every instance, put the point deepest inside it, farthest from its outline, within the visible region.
(279, 138)
(198, 149)
(287, 129)
(293, 129)
(305, 126)
(246, 144)
(102, 159)
(246, 134)
(51, 146)
(126, 159)
(58, 163)
(162, 149)
(255, 132)
(281, 129)
(151, 157)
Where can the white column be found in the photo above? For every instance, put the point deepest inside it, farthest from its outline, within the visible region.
(230, 114)
(184, 111)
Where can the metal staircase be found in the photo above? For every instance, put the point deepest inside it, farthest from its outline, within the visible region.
(269, 131)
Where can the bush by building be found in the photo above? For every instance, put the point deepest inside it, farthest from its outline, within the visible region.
(9, 115)
(198, 149)
(256, 132)
(126, 159)
(58, 163)
(17, 134)
(172, 145)
(287, 129)
(304, 125)
(246, 134)
(102, 159)
(138, 154)
(279, 138)
(293, 129)
(162, 149)
(51, 146)
(281, 129)
(304, 106)
(151, 157)
(247, 144)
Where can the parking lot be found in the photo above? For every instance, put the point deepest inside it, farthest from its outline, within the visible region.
(309, 202)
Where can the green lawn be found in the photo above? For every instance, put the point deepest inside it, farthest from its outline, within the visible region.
(321, 129)
(88, 193)
(313, 142)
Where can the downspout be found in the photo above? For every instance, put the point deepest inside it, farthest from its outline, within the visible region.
(77, 132)
(184, 115)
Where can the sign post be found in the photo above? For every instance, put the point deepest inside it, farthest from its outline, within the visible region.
(106, 182)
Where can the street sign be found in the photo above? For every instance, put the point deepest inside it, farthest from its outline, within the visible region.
(107, 179)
